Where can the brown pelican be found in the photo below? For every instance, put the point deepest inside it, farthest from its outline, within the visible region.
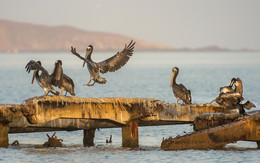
(179, 90)
(239, 86)
(231, 96)
(111, 64)
(248, 105)
(227, 89)
(44, 79)
(62, 80)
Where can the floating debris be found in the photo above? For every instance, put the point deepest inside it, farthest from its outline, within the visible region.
(53, 141)
(15, 143)
(110, 139)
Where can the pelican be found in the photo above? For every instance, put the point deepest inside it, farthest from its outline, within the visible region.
(111, 64)
(44, 79)
(248, 105)
(229, 98)
(239, 86)
(62, 80)
(228, 89)
(179, 90)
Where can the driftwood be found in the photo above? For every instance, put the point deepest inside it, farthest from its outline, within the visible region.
(53, 141)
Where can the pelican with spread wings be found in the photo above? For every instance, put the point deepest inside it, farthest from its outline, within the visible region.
(43, 79)
(111, 64)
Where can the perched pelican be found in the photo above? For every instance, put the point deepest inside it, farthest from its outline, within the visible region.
(44, 79)
(228, 89)
(111, 64)
(248, 105)
(231, 97)
(179, 90)
(62, 80)
(239, 86)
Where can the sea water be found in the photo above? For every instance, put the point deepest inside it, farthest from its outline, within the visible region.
(147, 74)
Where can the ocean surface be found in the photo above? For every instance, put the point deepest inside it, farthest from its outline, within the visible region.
(147, 74)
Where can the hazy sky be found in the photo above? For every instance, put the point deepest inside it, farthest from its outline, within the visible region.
(180, 23)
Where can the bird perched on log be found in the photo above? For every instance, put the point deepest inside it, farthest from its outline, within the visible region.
(111, 64)
(61, 80)
(248, 105)
(179, 90)
(44, 79)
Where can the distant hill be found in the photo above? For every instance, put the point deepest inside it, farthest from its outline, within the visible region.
(206, 48)
(24, 37)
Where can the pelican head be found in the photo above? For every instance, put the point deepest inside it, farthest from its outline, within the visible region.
(233, 80)
(238, 82)
(88, 53)
(175, 71)
(58, 62)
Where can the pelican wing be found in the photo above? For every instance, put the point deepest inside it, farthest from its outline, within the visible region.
(248, 105)
(183, 87)
(118, 60)
(56, 74)
(32, 65)
(74, 51)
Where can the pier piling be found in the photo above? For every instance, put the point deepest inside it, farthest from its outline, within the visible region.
(88, 137)
(130, 135)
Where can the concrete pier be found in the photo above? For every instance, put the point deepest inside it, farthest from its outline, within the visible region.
(54, 113)
(219, 134)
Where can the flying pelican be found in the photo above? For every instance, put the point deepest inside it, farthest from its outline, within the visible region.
(44, 80)
(62, 80)
(179, 90)
(111, 64)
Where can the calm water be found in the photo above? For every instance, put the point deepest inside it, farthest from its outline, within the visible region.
(146, 75)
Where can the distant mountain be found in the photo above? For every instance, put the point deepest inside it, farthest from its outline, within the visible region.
(24, 37)
(211, 48)
(206, 48)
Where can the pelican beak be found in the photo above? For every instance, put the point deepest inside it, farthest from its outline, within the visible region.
(84, 63)
(172, 79)
(34, 74)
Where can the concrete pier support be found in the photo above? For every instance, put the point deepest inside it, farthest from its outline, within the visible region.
(88, 137)
(130, 135)
(258, 144)
(215, 131)
(4, 140)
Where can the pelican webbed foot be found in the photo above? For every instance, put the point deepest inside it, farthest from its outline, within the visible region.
(89, 83)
